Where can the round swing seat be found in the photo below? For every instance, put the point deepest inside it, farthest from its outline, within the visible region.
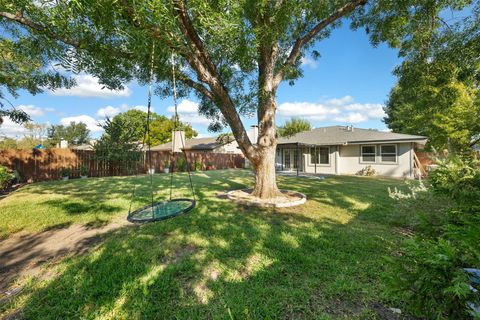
(162, 210)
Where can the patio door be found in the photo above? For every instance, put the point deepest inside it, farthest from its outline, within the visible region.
(290, 159)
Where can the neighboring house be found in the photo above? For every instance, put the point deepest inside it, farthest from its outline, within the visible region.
(347, 150)
(86, 146)
(204, 145)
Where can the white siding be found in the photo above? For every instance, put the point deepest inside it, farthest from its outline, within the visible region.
(347, 160)
(350, 161)
(320, 168)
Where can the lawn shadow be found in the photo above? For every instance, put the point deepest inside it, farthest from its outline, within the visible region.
(81, 207)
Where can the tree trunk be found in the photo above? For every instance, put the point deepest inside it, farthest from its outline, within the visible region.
(265, 176)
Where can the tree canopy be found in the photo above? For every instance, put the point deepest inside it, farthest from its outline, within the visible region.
(76, 133)
(161, 127)
(25, 63)
(437, 93)
(293, 126)
(118, 146)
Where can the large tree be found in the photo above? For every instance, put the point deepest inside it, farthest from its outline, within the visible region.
(118, 147)
(438, 93)
(293, 126)
(75, 133)
(232, 54)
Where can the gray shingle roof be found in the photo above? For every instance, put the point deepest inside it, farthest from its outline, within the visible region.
(336, 135)
(193, 144)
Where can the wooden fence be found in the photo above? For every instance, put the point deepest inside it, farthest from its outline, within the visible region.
(428, 158)
(45, 164)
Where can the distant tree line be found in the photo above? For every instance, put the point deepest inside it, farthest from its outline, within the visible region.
(127, 129)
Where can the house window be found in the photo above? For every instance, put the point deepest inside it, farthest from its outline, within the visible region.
(321, 156)
(368, 153)
(388, 153)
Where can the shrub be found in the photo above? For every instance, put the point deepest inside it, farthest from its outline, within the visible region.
(457, 177)
(65, 172)
(181, 165)
(83, 170)
(5, 177)
(427, 276)
(367, 171)
(197, 166)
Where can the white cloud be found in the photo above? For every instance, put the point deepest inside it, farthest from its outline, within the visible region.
(352, 117)
(34, 111)
(11, 129)
(308, 62)
(143, 108)
(204, 135)
(333, 110)
(339, 101)
(88, 86)
(372, 110)
(185, 106)
(188, 112)
(91, 123)
(108, 112)
(315, 111)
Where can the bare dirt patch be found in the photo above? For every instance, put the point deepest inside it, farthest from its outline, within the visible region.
(24, 254)
(286, 199)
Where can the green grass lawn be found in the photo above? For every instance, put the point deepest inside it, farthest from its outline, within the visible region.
(321, 260)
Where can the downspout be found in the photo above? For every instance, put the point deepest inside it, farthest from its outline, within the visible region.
(316, 157)
(411, 159)
(337, 157)
(282, 155)
(298, 158)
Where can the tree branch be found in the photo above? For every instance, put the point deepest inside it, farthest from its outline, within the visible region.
(207, 72)
(195, 85)
(190, 33)
(302, 41)
(19, 18)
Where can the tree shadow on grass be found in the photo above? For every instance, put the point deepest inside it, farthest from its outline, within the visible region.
(223, 260)
(81, 207)
(101, 189)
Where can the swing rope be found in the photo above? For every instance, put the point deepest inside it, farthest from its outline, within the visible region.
(175, 126)
(174, 206)
(146, 133)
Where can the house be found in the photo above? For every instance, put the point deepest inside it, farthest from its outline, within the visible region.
(347, 150)
(211, 144)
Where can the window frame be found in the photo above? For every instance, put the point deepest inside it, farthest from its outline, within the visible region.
(374, 153)
(390, 153)
(311, 163)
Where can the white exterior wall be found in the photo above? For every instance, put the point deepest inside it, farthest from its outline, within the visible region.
(346, 159)
(231, 147)
(350, 161)
(320, 168)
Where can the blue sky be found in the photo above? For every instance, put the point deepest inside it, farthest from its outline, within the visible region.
(348, 84)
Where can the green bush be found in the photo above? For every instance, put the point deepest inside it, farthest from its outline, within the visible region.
(83, 170)
(427, 275)
(457, 177)
(65, 172)
(198, 166)
(5, 177)
(181, 165)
